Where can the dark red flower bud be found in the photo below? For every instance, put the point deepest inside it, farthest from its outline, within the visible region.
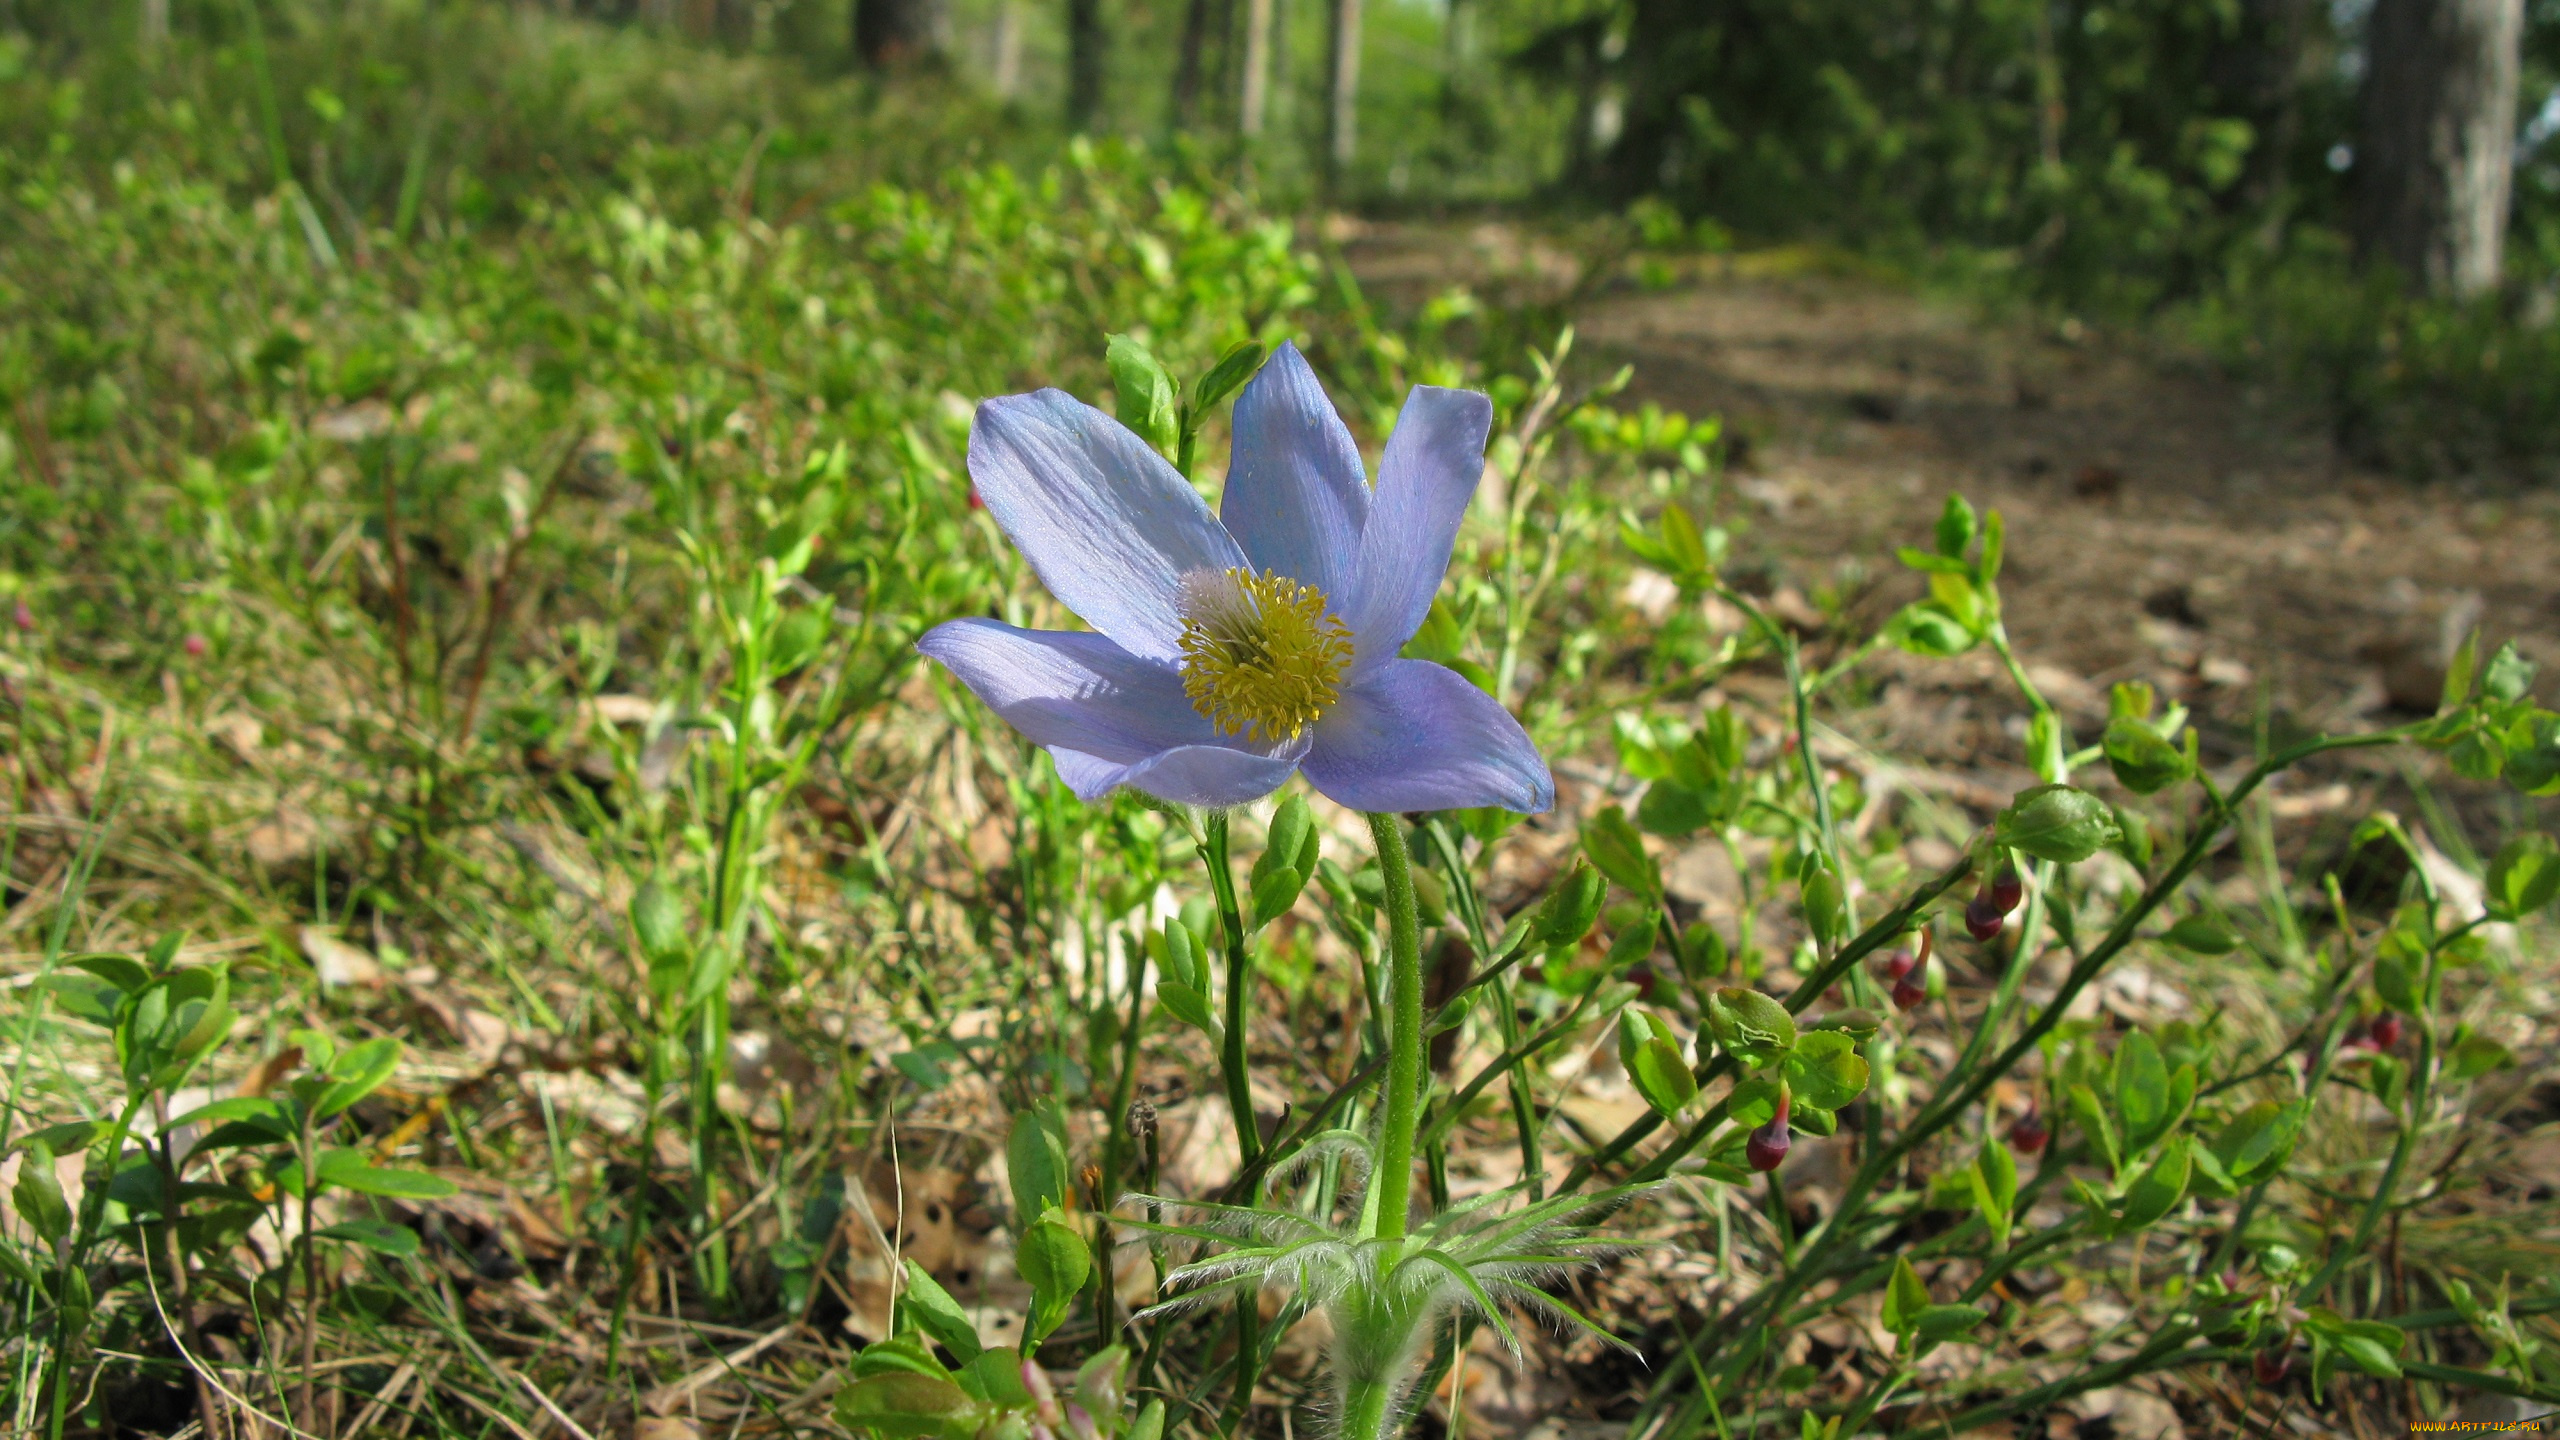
(976, 503)
(1983, 918)
(1909, 991)
(673, 445)
(1769, 1144)
(2272, 1365)
(1898, 964)
(196, 647)
(24, 618)
(2385, 1031)
(2007, 888)
(2028, 1135)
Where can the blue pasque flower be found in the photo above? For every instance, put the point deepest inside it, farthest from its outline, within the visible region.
(1230, 655)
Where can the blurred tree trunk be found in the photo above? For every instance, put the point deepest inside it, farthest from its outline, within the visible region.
(155, 25)
(1342, 113)
(1186, 69)
(1005, 46)
(1253, 93)
(897, 34)
(2270, 85)
(1086, 40)
(2438, 146)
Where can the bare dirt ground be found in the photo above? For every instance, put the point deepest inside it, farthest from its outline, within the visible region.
(2165, 522)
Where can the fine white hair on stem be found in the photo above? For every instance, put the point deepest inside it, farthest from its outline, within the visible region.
(1388, 1298)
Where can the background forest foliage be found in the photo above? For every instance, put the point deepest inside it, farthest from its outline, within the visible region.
(2187, 163)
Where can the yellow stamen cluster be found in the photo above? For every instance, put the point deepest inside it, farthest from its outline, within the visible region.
(1263, 655)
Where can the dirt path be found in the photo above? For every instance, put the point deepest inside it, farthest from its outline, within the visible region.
(2164, 523)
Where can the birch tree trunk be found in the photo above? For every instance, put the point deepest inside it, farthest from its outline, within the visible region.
(1253, 95)
(2437, 154)
(1342, 115)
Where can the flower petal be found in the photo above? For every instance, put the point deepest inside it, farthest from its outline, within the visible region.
(1109, 526)
(1071, 688)
(1425, 479)
(1297, 494)
(1207, 775)
(1416, 736)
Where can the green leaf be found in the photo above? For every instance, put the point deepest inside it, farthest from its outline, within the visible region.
(2206, 1176)
(1571, 908)
(380, 1236)
(1035, 1154)
(349, 1169)
(38, 1195)
(68, 1138)
(797, 638)
(2369, 1355)
(2203, 935)
(1188, 1005)
(2143, 762)
(1825, 1070)
(1673, 811)
(996, 1377)
(1440, 639)
(1654, 1065)
(121, 971)
(924, 1304)
(2458, 672)
(1618, 851)
(2508, 676)
(2142, 1089)
(1955, 530)
(1144, 393)
(1750, 1024)
(1291, 823)
(1753, 1103)
(2159, 1190)
(2391, 981)
(1150, 1422)
(1905, 1298)
(1274, 891)
(2091, 1117)
(1993, 1179)
(1824, 904)
(898, 1355)
(1054, 1260)
(1929, 629)
(896, 1404)
(2524, 876)
(1946, 1322)
(2477, 1055)
(1229, 374)
(2057, 823)
(357, 1073)
(2256, 1140)
(1685, 548)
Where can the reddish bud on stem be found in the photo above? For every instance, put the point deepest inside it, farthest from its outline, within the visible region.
(2028, 1135)
(1983, 918)
(2007, 889)
(1769, 1144)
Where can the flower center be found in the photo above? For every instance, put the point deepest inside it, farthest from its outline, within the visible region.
(1262, 655)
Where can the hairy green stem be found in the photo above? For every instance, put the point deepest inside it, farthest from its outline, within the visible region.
(1403, 1107)
(1233, 1057)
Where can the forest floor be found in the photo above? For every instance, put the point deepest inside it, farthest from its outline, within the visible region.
(2165, 522)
